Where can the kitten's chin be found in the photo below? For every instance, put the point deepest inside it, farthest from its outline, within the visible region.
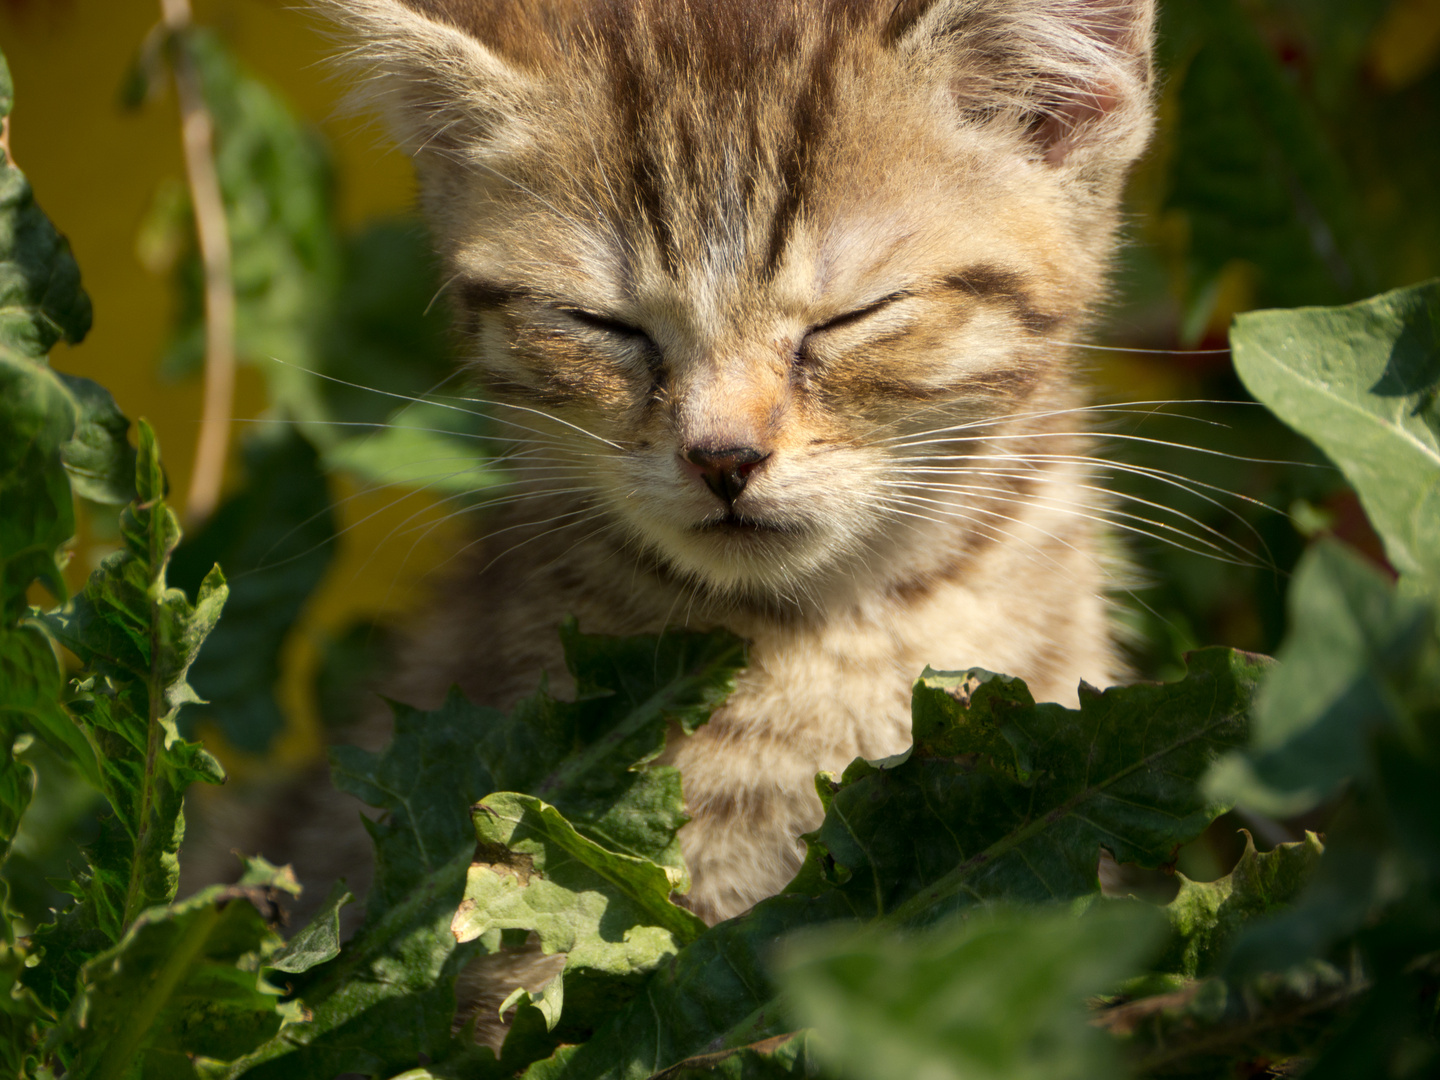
(746, 557)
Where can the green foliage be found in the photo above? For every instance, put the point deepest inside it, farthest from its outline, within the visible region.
(41, 303)
(1000, 996)
(1248, 149)
(341, 326)
(945, 921)
(1205, 916)
(1283, 153)
(135, 985)
(780, 1058)
(999, 800)
(275, 537)
(1357, 661)
(1355, 704)
(136, 638)
(389, 996)
(609, 913)
(1363, 382)
(185, 984)
(275, 180)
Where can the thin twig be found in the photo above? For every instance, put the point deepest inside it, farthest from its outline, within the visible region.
(6, 158)
(198, 134)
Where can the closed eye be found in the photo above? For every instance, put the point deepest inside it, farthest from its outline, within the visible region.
(605, 324)
(803, 354)
(851, 317)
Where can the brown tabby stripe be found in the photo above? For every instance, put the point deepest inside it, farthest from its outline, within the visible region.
(991, 283)
(808, 122)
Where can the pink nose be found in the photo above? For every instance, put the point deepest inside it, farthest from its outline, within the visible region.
(725, 472)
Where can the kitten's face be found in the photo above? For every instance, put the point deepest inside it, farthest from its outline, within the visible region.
(744, 279)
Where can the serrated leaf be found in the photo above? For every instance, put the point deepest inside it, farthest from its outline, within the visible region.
(999, 800)
(275, 537)
(584, 756)
(548, 878)
(998, 996)
(137, 639)
(1363, 383)
(1358, 652)
(184, 982)
(1206, 916)
(389, 996)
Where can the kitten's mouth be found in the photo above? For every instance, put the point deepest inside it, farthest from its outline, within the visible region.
(732, 524)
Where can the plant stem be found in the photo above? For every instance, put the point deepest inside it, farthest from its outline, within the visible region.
(198, 135)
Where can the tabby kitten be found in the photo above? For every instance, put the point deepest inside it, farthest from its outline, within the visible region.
(774, 297)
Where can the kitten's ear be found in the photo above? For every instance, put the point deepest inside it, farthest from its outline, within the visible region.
(1076, 74)
(443, 91)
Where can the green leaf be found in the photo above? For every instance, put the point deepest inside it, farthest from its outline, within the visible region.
(99, 458)
(275, 538)
(389, 996)
(1358, 654)
(17, 785)
(37, 515)
(1363, 382)
(1206, 916)
(137, 639)
(184, 982)
(33, 688)
(999, 800)
(583, 756)
(998, 996)
(779, 1058)
(41, 301)
(548, 878)
(318, 942)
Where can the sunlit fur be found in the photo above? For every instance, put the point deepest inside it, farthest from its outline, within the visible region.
(852, 236)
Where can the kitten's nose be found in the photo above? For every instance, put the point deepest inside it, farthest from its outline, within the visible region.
(726, 471)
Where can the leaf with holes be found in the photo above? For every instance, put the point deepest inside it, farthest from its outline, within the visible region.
(1000, 799)
(389, 996)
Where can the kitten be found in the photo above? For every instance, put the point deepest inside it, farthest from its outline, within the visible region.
(776, 298)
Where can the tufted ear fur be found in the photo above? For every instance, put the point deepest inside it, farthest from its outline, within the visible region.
(444, 93)
(1073, 77)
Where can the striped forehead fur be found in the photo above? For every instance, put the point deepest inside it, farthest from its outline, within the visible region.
(1014, 61)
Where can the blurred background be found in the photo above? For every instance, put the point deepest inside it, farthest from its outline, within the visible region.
(1297, 162)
